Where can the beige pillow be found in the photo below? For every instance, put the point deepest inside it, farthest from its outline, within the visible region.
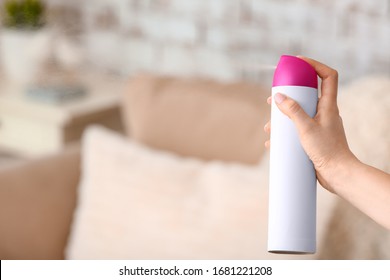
(198, 118)
(136, 203)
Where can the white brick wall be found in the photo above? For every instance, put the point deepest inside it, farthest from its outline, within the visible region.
(138, 55)
(210, 37)
(105, 50)
(213, 64)
(176, 59)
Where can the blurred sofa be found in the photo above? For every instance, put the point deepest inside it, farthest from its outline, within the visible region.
(188, 181)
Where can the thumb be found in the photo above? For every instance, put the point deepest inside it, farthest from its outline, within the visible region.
(294, 111)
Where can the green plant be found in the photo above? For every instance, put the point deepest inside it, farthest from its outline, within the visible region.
(23, 14)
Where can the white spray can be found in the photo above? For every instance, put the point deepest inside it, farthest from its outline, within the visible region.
(292, 190)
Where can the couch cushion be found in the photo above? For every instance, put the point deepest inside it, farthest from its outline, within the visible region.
(198, 118)
(365, 108)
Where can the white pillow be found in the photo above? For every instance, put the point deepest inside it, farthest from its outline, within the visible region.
(137, 203)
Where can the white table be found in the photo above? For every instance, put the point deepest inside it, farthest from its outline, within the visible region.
(30, 127)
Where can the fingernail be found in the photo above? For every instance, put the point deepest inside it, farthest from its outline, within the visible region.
(279, 98)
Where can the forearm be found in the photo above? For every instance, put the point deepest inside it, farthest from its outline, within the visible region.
(367, 188)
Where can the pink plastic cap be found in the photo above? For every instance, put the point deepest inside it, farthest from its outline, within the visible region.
(293, 71)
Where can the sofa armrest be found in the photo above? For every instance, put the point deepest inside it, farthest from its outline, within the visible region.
(37, 199)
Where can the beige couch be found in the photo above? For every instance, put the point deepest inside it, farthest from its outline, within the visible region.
(201, 119)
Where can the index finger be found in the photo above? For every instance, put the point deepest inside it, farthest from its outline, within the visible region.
(329, 77)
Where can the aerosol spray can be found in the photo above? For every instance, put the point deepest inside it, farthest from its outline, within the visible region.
(292, 190)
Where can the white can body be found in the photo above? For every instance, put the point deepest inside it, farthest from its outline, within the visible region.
(292, 193)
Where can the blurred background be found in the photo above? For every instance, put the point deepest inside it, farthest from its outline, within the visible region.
(223, 39)
(66, 64)
(214, 38)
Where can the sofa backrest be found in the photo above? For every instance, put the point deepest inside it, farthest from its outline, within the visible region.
(198, 118)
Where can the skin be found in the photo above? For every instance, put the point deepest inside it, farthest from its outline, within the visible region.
(323, 139)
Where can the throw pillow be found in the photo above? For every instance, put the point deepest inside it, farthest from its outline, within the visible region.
(137, 203)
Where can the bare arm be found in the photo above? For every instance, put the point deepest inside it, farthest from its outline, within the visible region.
(367, 188)
(323, 139)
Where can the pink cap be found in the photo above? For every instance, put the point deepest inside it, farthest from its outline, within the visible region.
(293, 71)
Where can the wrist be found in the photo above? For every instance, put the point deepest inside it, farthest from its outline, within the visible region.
(343, 170)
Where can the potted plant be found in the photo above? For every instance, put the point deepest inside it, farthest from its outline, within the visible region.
(25, 41)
